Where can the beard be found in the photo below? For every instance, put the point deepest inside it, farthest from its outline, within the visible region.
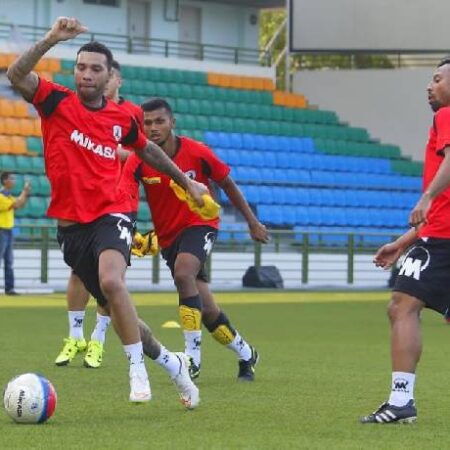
(435, 105)
(89, 95)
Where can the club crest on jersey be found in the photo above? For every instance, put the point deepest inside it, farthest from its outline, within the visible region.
(117, 132)
(191, 174)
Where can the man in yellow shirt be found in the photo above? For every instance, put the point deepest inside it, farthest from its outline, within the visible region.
(8, 204)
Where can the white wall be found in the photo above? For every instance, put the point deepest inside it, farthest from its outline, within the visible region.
(391, 104)
(221, 24)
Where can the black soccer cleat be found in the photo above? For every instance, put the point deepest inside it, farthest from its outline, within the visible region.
(387, 413)
(247, 368)
(194, 370)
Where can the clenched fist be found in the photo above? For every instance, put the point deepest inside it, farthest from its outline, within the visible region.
(65, 28)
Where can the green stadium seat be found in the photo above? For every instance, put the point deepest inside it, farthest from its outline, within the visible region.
(67, 65)
(128, 72)
(185, 91)
(24, 164)
(20, 181)
(161, 89)
(276, 113)
(288, 114)
(37, 206)
(8, 162)
(65, 80)
(141, 73)
(154, 74)
(206, 107)
(218, 108)
(143, 214)
(198, 135)
(202, 123)
(137, 87)
(34, 144)
(37, 164)
(182, 106)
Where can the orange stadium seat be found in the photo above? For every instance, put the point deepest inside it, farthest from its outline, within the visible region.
(18, 145)
(3, 62)
(6, 108)
(213, 78)
(235, 81)
(21, 109)
(42, 65)
(54, 65)
(268, 84)
(37, 128)
(26, 127)
(12, 126)
(5, 144)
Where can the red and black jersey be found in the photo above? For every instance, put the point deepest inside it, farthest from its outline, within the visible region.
(438, 217)
(169, 214)
(80, 146)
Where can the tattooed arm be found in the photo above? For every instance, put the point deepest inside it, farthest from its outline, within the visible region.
(154, 156)
(20, 71)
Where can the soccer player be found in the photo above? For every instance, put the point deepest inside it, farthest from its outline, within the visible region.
(185, 237)
(423, 280)
(81, 131)
(77, 295)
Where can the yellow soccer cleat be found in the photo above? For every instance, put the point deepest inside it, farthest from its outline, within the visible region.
(70, 349)
(94, 355)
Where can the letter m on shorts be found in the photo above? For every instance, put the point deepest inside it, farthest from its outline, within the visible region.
(411, 267)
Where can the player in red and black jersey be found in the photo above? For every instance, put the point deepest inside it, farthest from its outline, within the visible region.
(77, 295)
(186, 237)
(424, 276)
(81, 131)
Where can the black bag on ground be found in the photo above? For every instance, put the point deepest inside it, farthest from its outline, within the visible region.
(262, 277)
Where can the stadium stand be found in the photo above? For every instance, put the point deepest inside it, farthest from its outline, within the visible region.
(300, 168)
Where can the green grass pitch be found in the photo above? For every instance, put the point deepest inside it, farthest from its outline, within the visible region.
(324, 362)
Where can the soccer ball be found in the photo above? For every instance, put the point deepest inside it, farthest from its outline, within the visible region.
(29, 398)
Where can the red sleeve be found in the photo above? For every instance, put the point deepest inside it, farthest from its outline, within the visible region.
(442, 127)
(47, 97)
(218, 169)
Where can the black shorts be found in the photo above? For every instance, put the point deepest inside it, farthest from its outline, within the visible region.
(196, 240)
(82, 245)
(425, 273)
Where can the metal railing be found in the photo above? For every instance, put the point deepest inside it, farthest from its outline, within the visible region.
(151, 46)
(296, 251)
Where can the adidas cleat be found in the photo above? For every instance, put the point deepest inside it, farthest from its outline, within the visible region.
(140, 391)
(94, 355)
(387, 413)
(70, 349)
(187, 390)
(194, 370)
(247, 368)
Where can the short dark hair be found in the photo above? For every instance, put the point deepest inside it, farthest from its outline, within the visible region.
(4, 176)
(156, 103)
(115, 65)
(444, 61)
(98, 47)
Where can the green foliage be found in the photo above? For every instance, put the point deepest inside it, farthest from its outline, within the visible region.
(271, 20)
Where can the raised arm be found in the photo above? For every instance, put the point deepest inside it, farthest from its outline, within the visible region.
(20, 71)
(154, 156)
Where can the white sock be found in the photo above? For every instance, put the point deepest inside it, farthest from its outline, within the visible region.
(100, 328)
(169, 362)
(76, 319)
(240, 347)
(193, 344)
(135, 355)
(402, 390)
